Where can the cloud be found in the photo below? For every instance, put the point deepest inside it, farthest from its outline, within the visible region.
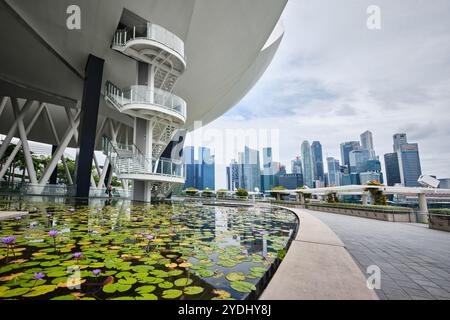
(332, 79)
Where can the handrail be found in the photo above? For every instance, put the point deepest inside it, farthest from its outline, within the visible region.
(128, 159)
(144, 95)
(152, 32)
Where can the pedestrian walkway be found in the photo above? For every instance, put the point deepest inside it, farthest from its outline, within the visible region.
(414, 260)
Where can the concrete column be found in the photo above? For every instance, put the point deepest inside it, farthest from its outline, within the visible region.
(54, 176)
(297, 197)
(423, 208)
(302, 198)
(279, 196)
(88, 123)
(365, 199)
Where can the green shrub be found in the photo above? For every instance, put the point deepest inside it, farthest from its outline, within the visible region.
(275, 194)
(241, 192)
(191, 191)
(208, 193)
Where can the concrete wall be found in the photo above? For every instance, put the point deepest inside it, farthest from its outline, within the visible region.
(439, 222)
(377, 215)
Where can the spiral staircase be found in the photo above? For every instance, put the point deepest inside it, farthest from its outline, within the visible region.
(160, 55)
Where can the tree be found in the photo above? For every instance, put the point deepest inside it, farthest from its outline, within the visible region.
(279, 188)
(377, 195)
(332, 197)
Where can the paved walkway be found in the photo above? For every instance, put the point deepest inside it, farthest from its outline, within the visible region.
(414, 260)
(317, 266)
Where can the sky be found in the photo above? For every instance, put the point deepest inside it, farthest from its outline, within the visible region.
(334, 78)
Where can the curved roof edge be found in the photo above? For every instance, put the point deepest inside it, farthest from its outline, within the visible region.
(248, 80)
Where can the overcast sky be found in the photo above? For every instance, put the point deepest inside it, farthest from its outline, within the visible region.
(333, 78)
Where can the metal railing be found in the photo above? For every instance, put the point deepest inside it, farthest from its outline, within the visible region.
(145, 95)
(152, 32)
(128, 159)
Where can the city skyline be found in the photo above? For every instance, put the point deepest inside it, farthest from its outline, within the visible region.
(364, 164)
(310, 94)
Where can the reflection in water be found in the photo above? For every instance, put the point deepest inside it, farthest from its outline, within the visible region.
(147, 252)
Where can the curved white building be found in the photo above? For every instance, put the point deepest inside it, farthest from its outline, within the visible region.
(126, 82)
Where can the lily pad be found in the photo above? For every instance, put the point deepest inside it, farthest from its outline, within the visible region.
(41, 290)
(14, 292)
(243, 286)
(182, 282)
(145, 289)
(171, 294)
(235, 276)
(193, 290)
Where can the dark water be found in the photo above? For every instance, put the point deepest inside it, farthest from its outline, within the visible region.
(198, 252)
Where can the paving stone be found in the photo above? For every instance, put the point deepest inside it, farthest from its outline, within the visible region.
(414, 260)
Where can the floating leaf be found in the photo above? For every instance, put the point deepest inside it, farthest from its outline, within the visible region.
(13, 292)
(150, 296)
(182, 282)
(145, 289)
(41, 290)
(171, 294)
(235, 276)
(242, 286)
(205, 273)
(193, 290)
(165, 285)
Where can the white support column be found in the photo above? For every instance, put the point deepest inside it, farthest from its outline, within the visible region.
(25, 145)
(103, 174)
(302, 198)
(58, 141)
(13, 128)
(3, 104)
(60, 151)
(365, 199)
(19, 144)
(423, 208)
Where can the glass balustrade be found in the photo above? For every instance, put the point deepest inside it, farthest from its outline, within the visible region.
(128, 159)
(145, 95)
(153, 32)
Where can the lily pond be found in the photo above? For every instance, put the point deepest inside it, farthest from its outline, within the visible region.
(141, 252)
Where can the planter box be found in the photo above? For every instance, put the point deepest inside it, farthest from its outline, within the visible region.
(439, 222)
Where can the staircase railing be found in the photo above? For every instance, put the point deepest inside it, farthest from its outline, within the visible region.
(128, 159)
(144, 95)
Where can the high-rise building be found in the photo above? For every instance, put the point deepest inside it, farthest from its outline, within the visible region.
(392, 169)
(291, 181)
(367, 143)
(346, 148)
(233, 182)
(199, 174)
(333, 172)
(408, 160)
(297, 166)
(189, 161)
(317, 159)
(308, 173)
(399, 139)
(267, 157)
(358, 160)
(251, 170)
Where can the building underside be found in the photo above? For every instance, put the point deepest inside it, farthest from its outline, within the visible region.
(131, 82)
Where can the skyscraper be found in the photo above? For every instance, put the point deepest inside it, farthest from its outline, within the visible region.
(408, 160)
(308, 174)
(358, 160)
(333, 172)
(399, 139)
(189, 161)
(346, 148)
(233, 176)
(317, 159)
(199, 174)
(367, 143)
(392, 169)
(251, 170)
(297, 166)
